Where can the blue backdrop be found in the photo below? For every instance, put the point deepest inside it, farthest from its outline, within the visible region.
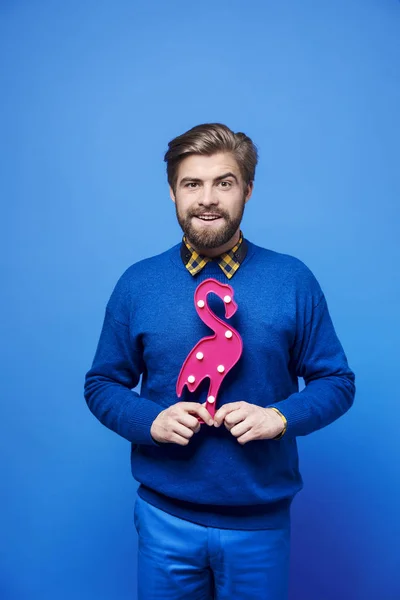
(91, 92)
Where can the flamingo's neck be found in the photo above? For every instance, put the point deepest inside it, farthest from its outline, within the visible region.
(210, 318)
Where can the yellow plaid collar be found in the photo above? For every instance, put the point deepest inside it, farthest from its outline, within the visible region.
(228, 261)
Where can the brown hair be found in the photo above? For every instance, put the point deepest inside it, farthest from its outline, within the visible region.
(208, 139)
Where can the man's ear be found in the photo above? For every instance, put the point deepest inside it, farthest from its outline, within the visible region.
(171, 193)
(250, 187)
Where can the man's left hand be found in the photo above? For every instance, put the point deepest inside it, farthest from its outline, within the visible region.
(249, 422)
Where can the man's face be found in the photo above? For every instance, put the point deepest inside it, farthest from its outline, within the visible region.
(209, 199)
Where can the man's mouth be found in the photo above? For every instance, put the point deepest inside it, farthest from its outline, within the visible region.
(208, 217)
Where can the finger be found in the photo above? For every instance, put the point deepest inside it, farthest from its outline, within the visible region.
(201, 411)
(241, 428)
(227, 408)
(191, 405)
(178, 439)
(182, 430)
(246, 437)
(189, 421)
(236, 416)
(220, 415)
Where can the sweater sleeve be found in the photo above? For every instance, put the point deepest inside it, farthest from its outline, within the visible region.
(116, 368)
(319, 358)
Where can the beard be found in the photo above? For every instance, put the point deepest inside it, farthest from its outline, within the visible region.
(210, 237)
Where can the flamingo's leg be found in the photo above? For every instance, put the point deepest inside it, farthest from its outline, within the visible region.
(213, 392)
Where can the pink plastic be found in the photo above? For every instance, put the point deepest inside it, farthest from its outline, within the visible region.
(217, 349)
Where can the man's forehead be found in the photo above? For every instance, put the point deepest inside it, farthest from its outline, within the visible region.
(208, 166)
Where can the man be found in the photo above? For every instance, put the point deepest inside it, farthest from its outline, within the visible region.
(213, 506)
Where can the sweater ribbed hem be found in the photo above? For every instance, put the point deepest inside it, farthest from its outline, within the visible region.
(251, 517)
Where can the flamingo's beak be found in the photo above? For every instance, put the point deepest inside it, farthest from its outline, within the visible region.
(230, 309)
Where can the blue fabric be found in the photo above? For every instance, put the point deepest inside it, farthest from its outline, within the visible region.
(178, 559)
(149, 327)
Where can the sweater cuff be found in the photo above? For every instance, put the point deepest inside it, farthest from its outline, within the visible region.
(296, 411)
(137, 419)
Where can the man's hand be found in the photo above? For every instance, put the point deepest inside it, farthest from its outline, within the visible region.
(248, 421)
(177, 425)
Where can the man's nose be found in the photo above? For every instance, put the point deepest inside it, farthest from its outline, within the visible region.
(209, 197)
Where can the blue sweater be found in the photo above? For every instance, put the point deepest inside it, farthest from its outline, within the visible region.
(151, 324)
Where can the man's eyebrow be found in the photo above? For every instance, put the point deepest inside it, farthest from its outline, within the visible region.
(225, 176)
(197, 180)
(191, 179)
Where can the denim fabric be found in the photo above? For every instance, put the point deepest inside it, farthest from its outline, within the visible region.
(181, 560)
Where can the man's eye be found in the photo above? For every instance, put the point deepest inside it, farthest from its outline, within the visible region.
(225, 184)
(191, 184)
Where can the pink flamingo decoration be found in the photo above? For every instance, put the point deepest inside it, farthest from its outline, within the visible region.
(215, 355)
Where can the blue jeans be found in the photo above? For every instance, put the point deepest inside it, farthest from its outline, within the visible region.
(181, 560)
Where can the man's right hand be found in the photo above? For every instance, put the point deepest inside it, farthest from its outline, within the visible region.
(176, 424)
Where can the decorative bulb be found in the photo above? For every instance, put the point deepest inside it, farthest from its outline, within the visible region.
(199, 356)
(191, 379)
(227, 299)
(228, 334)
(200, 303)
(220, 368)
(210, 399)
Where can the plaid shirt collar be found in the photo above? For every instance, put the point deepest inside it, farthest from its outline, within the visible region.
(228, 261)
